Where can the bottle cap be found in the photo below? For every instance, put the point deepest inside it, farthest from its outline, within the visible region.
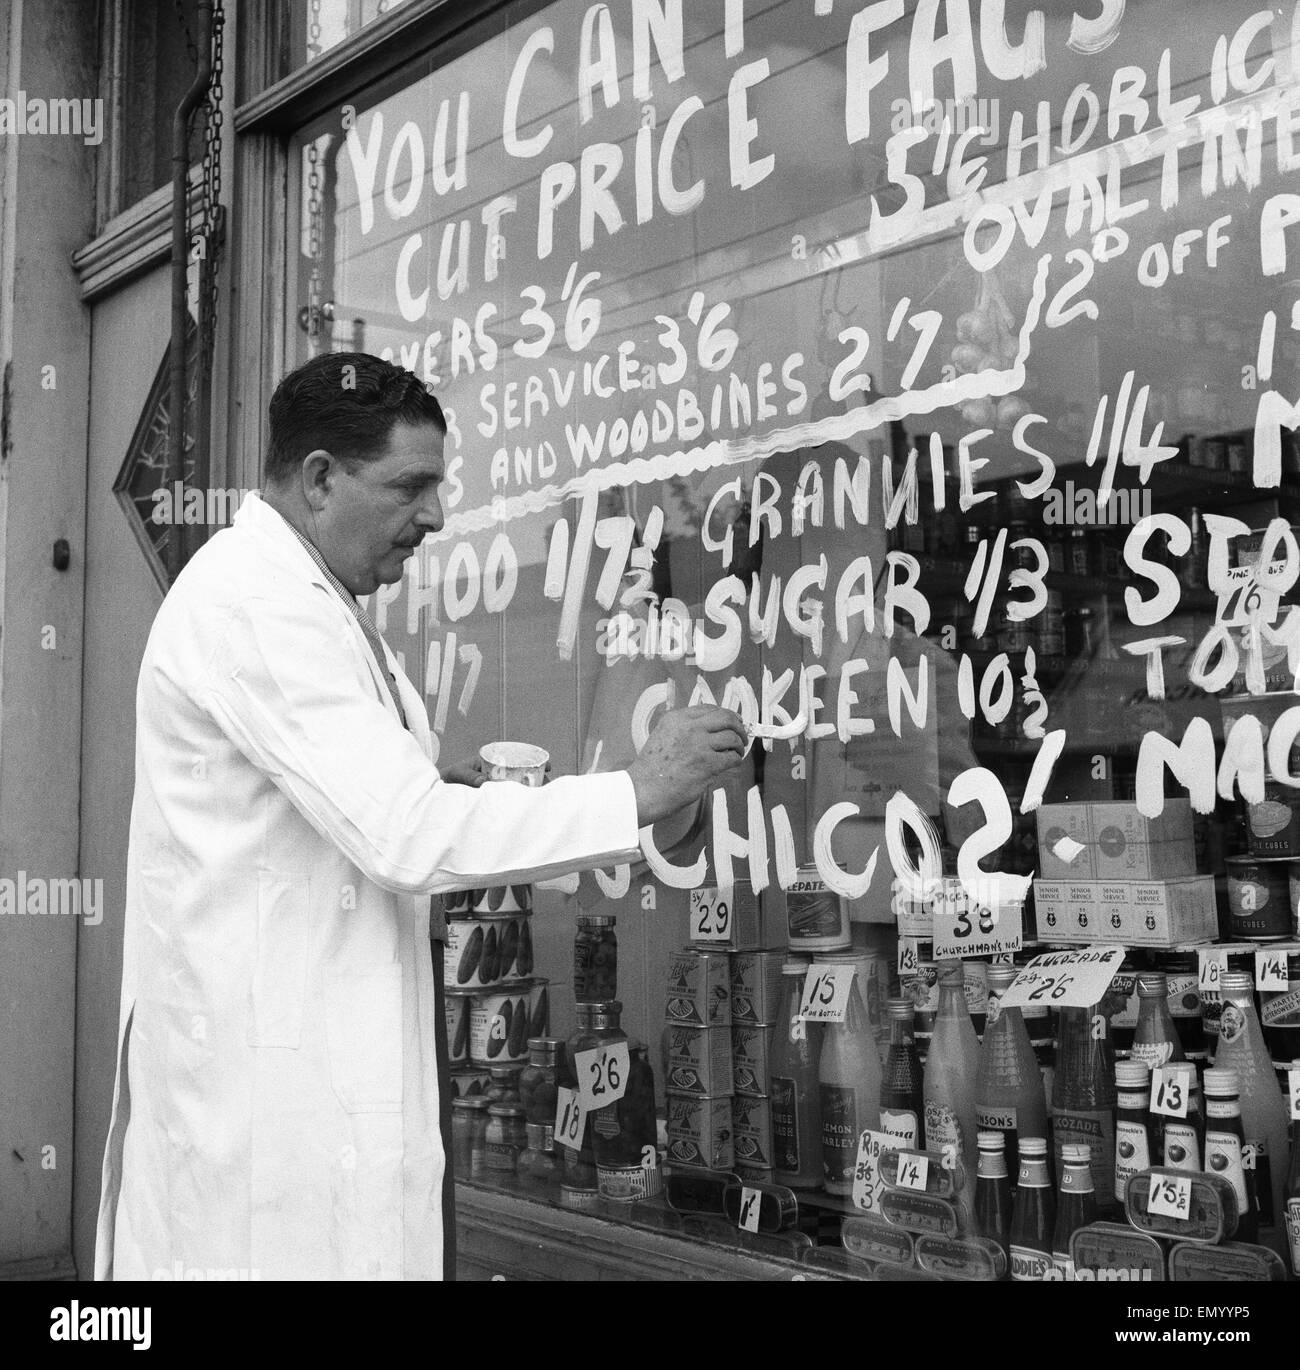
(1000, 977)
(1075, 1154)
(510, 1073)
(902, 1009)
(1221, 1082)
(1033, 1146)
(472, 1102)
(793, 967)
(990, 1141)
(543, 1047)
(1132, 1075)
(951, 973)
(596, 920)
(1237, 982)
(506, 1110)
(1151, 984)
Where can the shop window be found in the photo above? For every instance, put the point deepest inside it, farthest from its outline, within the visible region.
(318, 26)
(916, 431)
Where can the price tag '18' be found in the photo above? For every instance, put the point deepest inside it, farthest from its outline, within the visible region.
(750, 1203)
(711, 915)
(602, 1075)
(569, 1118)
(1170, 1086)
(1270, 971)
(1213, 962)
(826, 992)
(1170, 1195)
(1293, 1090)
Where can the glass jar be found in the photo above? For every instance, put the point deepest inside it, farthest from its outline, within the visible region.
(539, 1084)
(538, 1164)
(577, 1164)
(469, 1121)
(503, 1085)
(504, 1140)
(624, 1134)
(595, 959)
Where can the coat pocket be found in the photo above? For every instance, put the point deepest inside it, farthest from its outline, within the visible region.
(280, 967)
(363, 1035)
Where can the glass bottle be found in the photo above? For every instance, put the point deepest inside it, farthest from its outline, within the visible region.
(538, 1086)
(993, 1191)
(1076, 1208)
(1263, 1114)
(1155, 1039)
(1225, 1144)
(1182, 1140)
(577, 1164)
(902, 1099)
(796, 1108)
(504, 1140)
(1135, 1148)
(1033, 1219)
(848, 1091)
(595, 959)
(1083, 1096)
(624, 1135)
(1292, 1194)
(1009, 1087)
(951, 1068)
(468, 1126)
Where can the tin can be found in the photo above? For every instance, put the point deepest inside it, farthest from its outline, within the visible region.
(1273, 825)
(1279, 1012)
(469, 1082)
(626, 1184)
(751, 1126)
(456, 1007)
(1259, 898)
(539, 1007)
(488, 903)
(482, 951)
(817, 918)
(498, 1026)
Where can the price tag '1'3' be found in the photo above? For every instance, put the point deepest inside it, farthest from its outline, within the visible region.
(1170, 1087)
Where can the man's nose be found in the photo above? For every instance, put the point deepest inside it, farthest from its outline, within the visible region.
(430, 516)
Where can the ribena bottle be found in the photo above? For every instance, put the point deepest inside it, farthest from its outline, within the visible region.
(1075, 1208)
(1033, 1219)
(902, 1099)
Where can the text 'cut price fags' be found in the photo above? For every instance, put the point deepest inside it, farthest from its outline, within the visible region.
(826, 993)
(710, 914)
(570, 1116)
(1170, 1090)
(1170, 1195)
(602, 1075)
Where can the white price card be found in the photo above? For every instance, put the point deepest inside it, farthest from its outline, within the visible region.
(602, 1075)
(1170, 1195)
(1065, 979)
(711, 914)
(1213, 962)
(1270, 971)
(965, 928)
(826, 992)
(1170, 1090)
(1293, 1090)
(909, 961)
(751, 1201)
(569, 1118)
(913, 1172)
(868, 1183)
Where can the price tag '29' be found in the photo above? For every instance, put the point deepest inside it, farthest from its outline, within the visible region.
(602, 1075)
(569, 1118)
(711, 915)
(826, 992)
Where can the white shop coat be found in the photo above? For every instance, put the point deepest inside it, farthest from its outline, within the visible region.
(275, 1110)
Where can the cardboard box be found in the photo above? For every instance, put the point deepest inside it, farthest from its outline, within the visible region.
(1111, 840)
(756, 985)
(751, 1055)
(700, 1131)
(1139, 913)
(699, 989)
(699, 1059)
(751, 1125)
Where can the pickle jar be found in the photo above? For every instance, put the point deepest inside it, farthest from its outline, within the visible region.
(503, 1085)
(538, 1083)
(469, 1121)
(595, 959)
(504, 1140)
(624, 1135)
(578, 1164)
(539, 1166)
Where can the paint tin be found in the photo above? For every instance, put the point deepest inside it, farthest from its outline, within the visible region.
(1259, 898)
(816, 917)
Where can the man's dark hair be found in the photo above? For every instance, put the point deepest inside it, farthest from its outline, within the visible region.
(347, 403)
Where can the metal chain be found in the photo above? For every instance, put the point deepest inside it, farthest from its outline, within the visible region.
(313, 31)
(211, 209)
(313, 320)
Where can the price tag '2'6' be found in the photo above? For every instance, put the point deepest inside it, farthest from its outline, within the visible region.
(710, 915)
(826, 992)
(570, 1117)
(602, 1075)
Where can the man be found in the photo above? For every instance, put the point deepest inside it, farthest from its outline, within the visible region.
(276, 1110)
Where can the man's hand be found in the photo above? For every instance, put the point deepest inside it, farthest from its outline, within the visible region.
(685, 753)
(463, 773)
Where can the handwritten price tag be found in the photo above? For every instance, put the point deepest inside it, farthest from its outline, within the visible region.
(1170, 1195)
(913, 1172)
(1293, 1090)
(1065, 979)
(1213, 962)
(908, 960)
(602, 1075)
(750, 1204)
(569, 1118)
(711, 914)
(826, 993)
(868, 1183)
(1170, 1088)
(964, 928)
(1270, 971)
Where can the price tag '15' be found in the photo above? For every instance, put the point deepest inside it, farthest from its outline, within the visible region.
(569, 1118)
(1213, 963)
(711, 915)
(1170, 1195)
(1293, 1090)
(826, 992)
(750, 1203)
(1170, 1086)
(602, 1075)
(1270, 971)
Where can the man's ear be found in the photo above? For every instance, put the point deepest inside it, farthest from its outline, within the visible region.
(317, 478)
